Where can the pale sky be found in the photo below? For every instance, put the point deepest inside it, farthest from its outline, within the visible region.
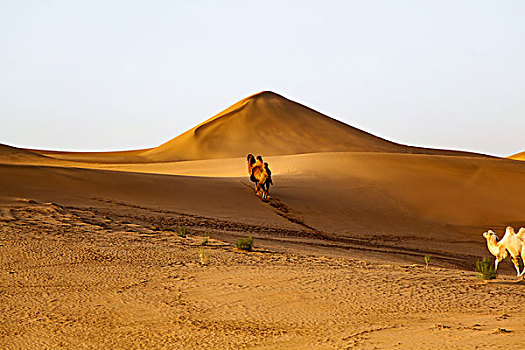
(115, 75)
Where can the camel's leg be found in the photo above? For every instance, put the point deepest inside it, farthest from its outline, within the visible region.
(264, 193)
(497, 262)
(523, 261)
(516, 262)
(262, 182)
(265, 189)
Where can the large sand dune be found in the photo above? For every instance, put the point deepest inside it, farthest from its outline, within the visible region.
(264, 123)
(345, 203)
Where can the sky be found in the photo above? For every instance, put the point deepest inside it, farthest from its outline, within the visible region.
(117, 75)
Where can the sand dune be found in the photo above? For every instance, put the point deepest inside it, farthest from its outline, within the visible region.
(267, 123)
(340, 194)
(264, 123)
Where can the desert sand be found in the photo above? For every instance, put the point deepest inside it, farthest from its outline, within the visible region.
(90, 257)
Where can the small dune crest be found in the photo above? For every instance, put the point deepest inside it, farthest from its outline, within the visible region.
(518, 156)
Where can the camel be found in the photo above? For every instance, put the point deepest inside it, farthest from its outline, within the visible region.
(260, 174)
(509, 244)
(495, 247)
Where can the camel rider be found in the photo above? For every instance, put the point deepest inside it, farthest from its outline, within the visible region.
(269, 173)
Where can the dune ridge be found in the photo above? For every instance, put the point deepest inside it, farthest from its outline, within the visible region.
(263, 123)
(10, 153)
(267, 123)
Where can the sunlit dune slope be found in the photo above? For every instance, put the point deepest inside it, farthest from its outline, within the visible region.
(265, 123)
(518, 156)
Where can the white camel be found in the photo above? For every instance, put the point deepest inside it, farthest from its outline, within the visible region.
(511, 243)
(495, 247)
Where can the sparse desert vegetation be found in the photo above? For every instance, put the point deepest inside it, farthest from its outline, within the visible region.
(182, 231)
(486, 269)
(427, 260)
(245, 244)
(204, 256)
(205, 239)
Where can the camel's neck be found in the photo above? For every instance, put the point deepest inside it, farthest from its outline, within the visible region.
(493, 247)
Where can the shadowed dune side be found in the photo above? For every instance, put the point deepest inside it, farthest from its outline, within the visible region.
(219, 198)
(14, 154)
(396, 194)
(134, 156)
(264, 123)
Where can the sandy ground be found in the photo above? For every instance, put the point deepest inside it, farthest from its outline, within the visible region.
(76, 277)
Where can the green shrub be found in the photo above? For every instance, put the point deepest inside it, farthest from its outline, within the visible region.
(486, 269)
(245, 243)
(181, 231)
(427, 260)
(205, 238)
(203, 256)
